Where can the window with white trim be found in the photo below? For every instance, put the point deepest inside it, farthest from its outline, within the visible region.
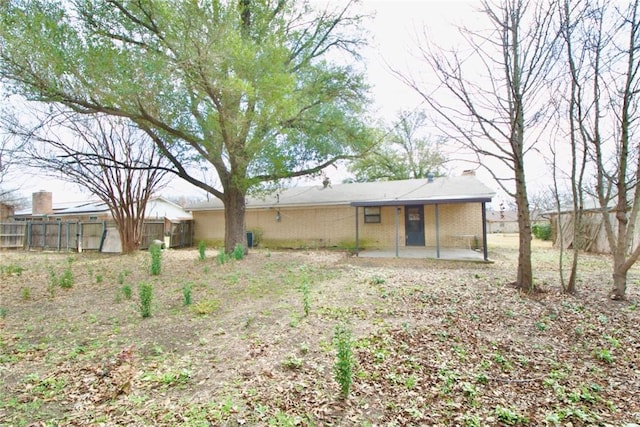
(372, 215)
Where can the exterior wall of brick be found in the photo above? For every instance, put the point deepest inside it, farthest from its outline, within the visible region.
(326, 226)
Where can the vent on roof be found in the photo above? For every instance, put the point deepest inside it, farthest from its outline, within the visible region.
(469, 172)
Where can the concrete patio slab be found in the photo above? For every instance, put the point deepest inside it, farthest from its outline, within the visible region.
(456, 254)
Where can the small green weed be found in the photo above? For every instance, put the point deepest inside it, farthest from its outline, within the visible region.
(604, 355)
(376, 280)
(306, 305)
(99, 278)
(205, 307)
(238, 252)
(11, 270)
(25, 293)
(293, 362)
(3, 312)
(509, 417)
(202, 250)
(222, 257)
(122, 275)
(145, 293)
(156, 259)
(345, 362)
(127, 291)
(66, 280)
(186, 293)
(541, 326)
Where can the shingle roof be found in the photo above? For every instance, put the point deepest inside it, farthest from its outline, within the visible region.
(413, 191)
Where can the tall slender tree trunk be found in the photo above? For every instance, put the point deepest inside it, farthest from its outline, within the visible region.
(234, 216)
(525, 273)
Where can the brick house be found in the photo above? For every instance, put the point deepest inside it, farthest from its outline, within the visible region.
(435, 212)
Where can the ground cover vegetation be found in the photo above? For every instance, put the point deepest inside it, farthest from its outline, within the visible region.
(313, 338)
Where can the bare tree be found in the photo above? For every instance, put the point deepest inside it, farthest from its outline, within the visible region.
(107, 156)
(612, 128)
(491, 99)
(575, 21)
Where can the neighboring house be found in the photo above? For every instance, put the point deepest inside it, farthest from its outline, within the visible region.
(502, 222)
(436, 212)
(507, 221)
(88, 225)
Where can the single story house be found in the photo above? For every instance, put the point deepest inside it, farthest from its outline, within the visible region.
(507, 221)
(502, 221)
(89, 225)
(437, 212)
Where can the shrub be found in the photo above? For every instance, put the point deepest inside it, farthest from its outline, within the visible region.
(542, 231)
(202, 247)
(156, 259)
(145, 293)
(343, 367)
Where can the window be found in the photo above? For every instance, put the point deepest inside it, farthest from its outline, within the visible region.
(372, 214)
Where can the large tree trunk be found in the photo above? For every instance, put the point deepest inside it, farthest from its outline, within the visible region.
(234, 213)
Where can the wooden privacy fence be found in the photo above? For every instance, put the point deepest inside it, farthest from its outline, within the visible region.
(82, 236)
(12, 235)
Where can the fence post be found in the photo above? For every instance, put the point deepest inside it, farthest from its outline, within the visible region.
(59, 235)
(80, 237)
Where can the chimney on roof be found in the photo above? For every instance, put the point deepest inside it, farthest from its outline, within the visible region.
(42, 203)
(469, 172)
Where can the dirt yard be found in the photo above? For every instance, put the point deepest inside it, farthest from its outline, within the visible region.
(433, 342)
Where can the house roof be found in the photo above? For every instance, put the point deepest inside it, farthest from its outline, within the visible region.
(456, 189)
(157, 208)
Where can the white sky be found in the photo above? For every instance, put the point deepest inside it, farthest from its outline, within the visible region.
(395, 29)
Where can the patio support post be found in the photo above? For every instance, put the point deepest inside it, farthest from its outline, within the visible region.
(437, 231)
(357, 233)
(484, 231)
(397, 234)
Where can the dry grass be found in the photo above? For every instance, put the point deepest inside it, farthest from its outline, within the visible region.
(436, 343)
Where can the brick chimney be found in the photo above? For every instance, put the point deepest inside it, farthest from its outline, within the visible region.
(469, 172)
(42, 203)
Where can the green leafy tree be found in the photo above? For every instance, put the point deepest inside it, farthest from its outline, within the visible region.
(404, 153)
(245, 86)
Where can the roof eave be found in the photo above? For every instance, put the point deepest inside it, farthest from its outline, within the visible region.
(422, 201)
